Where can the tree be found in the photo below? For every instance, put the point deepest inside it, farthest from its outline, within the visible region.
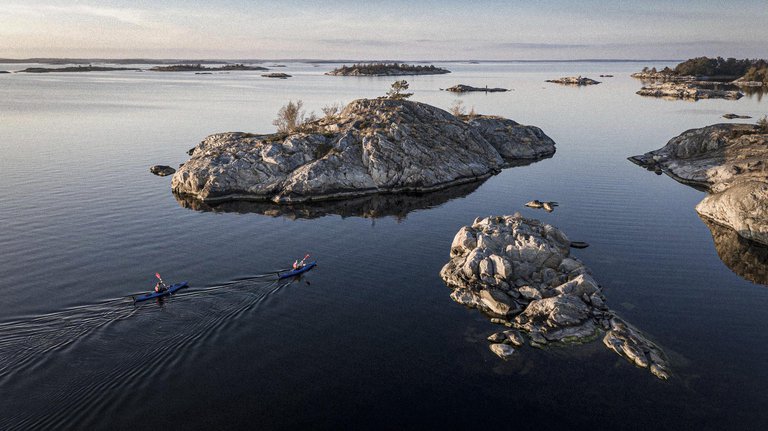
(398, 90)
(289, 117)
(763, 124)
(458, 109)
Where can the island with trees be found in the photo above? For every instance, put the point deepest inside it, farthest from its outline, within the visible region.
(387, 69)
(751, 72)
(74, 69)
(200, 68)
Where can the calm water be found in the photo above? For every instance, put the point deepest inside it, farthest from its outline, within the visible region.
(369, 339)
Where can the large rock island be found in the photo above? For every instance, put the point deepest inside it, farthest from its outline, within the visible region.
(372, 146)
(520, 272)
(730, 161)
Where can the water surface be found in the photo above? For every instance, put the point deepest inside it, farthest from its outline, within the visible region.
(370, 338)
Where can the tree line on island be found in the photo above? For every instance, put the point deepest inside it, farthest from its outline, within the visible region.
(749, 70)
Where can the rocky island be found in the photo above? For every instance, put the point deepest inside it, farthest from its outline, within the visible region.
(372, 146)
(201, 68)
(521, 274)
(730, 162)
(574, 80)
(461, 88)
(386, 69)
(687, 90)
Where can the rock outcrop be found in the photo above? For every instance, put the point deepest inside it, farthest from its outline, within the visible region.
(730, 161)
(574, 80)
(372, 146)
(461, 88)
(734, 116)
(162, 170)
(683, 90)
(520, 272)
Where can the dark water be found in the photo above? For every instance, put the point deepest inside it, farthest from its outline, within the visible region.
(370, 338)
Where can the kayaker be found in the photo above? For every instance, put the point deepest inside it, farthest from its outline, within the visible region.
(160, 286)
(299, 264)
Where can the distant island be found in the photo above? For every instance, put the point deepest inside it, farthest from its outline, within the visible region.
(278, 75)
(74, 69)
(745, 72)
(201, 68)
(461, 88)
(386, 69)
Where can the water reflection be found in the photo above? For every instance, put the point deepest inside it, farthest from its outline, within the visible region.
(756, 92)
(373, 206)
(746, 258)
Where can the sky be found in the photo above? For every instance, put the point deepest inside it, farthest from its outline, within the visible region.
(396, 29)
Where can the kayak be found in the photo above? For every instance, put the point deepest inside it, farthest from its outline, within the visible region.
(170, 290)
(301, 270)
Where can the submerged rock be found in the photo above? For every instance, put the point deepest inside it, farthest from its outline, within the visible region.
(732, 116)
(372, 146)
(730, 161)
(162, 170)
(550, 295)
(574, 80)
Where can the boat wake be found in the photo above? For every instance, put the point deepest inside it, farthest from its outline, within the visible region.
(105, 351)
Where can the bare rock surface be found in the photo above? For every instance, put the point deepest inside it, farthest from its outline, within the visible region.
(730, 161)
(687, 90)
(520, 272)
(372, 146)
(574, 80)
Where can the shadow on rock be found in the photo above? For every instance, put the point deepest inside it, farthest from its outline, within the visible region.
(371, 206)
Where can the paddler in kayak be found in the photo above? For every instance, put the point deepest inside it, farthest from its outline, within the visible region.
(160, 286)
(300, 264)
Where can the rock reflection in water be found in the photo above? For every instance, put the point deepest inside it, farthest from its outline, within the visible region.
(371, 206)
(746, 258)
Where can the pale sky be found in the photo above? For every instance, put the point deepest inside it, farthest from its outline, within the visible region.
(403, 30)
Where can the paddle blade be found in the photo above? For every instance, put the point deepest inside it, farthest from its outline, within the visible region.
(157, 274)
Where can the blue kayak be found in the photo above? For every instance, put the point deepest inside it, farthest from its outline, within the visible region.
(170, 290)
(301, 270)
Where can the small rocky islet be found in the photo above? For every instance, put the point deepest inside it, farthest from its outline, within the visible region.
(461, 88)
(730, 162)
(372, 146)
(520, 273)
(574, 80)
